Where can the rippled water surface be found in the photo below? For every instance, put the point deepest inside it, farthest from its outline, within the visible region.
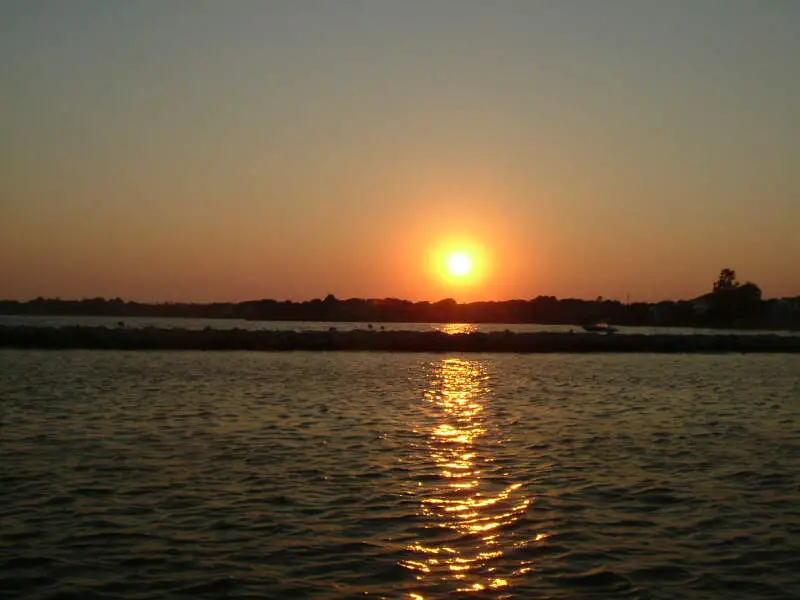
(350, 475)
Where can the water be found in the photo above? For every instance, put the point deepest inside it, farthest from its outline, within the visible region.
(357, 475)
(180, 323)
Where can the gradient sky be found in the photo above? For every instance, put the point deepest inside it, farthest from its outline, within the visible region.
(230, 150)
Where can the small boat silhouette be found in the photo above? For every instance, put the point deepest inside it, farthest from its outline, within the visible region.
(600, 328)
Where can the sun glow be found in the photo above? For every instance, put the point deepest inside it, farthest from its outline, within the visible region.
(459, 264)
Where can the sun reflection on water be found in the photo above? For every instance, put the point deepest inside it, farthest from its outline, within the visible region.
(455, 328)
(470, 503)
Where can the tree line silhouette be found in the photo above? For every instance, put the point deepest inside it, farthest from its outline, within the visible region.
(729, 304)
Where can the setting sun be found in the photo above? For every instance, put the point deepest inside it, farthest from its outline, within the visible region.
(459, 264)
(458, 267)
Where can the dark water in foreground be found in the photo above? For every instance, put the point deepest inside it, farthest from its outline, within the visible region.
(305, 475)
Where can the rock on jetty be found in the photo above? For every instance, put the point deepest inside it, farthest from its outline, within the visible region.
(150, 338)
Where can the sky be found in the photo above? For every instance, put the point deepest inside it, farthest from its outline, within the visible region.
(198, 150)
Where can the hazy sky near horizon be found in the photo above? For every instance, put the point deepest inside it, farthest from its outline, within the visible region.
(206, 150)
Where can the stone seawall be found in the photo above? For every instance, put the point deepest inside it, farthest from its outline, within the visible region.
(103, 338)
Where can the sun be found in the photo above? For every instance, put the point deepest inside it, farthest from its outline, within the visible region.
(459, 264)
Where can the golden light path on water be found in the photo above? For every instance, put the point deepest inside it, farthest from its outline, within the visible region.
(454, 328)
(469, 502)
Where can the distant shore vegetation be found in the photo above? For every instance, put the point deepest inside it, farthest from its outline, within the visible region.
(729, 304)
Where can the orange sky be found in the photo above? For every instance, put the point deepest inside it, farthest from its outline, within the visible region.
(165, 152)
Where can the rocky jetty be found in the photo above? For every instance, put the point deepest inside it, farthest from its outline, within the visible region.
(103, 338)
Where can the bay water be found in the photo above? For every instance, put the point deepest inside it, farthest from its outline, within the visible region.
(379, 475)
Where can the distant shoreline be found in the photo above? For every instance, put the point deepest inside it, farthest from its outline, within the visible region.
(735, 310)
(150, 338)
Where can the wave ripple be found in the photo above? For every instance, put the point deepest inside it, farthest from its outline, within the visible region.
(312, 475)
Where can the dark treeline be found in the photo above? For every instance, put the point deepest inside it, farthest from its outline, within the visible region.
(729, 304)
(701, 312)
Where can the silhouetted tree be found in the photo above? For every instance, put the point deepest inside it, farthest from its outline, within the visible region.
(726, 280)
(731, 302)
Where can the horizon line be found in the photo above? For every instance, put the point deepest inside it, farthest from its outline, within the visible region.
(364, 299)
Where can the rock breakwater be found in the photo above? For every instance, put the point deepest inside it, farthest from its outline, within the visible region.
(103, 338)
